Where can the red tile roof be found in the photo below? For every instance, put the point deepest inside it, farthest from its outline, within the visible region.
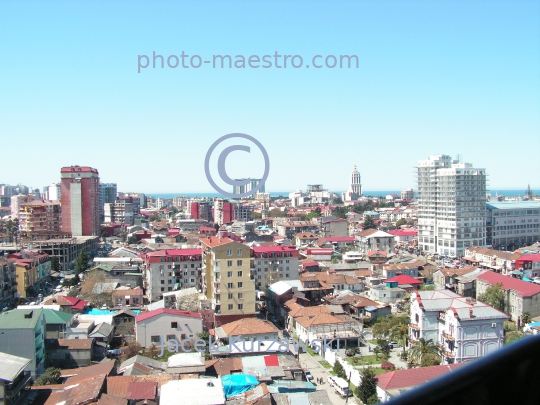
(340, 238)
(141, 390)
(523, 288)
(404, 279)
(403, 232)
(271, 360)
(168, 311)
(76, 303)
(412, 377)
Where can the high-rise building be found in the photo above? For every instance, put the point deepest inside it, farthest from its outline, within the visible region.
(107, 194)
(54, 192)
(80, 200)
(227, 277)
(451, 205)
(223, 211)
(355, 187)
(17, 201)
(120, 212)
(248, 187)
(407, 194)
(40, 217)
(201, 210)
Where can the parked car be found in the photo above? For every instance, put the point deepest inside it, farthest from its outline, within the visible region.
(349, 352)
(309, 376)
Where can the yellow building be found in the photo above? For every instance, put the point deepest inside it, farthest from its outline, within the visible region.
(26, 272)
(227, 276)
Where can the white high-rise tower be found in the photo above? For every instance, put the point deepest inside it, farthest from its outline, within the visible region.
(355, 187)
(451, 206)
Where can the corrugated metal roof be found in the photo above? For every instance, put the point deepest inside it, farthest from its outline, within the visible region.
(12, 366)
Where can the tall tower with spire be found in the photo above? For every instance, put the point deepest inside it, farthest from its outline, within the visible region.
(355, 187)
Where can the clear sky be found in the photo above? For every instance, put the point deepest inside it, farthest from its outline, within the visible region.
(453, 77)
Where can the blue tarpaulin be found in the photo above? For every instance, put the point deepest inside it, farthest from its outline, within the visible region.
(238, 383)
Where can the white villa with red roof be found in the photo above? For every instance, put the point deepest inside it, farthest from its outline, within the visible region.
(520, 296)
(464, 328)
(161, 325)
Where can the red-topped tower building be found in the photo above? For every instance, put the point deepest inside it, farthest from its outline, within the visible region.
(80, 200)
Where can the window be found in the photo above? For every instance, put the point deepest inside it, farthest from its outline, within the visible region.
(230, 296)
(240, 284)
(229, 252)
(229, 274)
(239, 252)
(240, 296)
(230, 285)
(240, 306)
(239, 262)
(230, 306)
(162, 289)
(169, 288)
(229, 263)
(239, 274)
(155, 339)
(162, 281)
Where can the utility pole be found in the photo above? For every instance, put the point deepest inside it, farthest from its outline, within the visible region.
(349, 381)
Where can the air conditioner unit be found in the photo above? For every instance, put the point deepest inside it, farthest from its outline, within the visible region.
(493, 325)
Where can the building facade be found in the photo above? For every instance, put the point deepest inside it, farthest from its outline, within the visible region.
(274, 263)
(451, 205)
(223, 211)
(120, 212)
(512, 224)
(171, 270)
(80, 200)
(227, 276)
(465, 328)
(40, 217)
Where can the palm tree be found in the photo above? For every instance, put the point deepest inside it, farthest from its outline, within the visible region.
(421, 348)
(399, 333)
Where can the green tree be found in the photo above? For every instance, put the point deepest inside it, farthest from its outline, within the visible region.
(81, 262)
(337, 200)
(256, 215)
(421, 348)
(341, 212)
(73, 292)
(339, 370)
(430, 359)
(367, 390)
(427, 287)
(12, 227)
(49, 377)
(55, 263)
(526, 318)
(368, 223)
(399, 333)
(494, 296)
(132, 240)
(401, 222)
(154, 217)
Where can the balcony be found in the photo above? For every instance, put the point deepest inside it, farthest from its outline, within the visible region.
(450, 355)
(448, 337)
(13, 389)
(414, 326)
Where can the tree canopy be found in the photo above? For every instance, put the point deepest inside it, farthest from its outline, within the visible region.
(49, 377)
(367, 390)
(494, 296)
(421, 349)
(368, 223)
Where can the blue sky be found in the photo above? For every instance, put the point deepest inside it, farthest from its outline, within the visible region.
(434, 77)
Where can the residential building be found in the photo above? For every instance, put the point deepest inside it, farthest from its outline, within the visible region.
(80, 200)
(119, 211)
(334, 227)
(202, 391)
(304, 239)
(26, 275)
(496, 260)
(107, 195)
(372, 240)
(407, 194)
(161, 325)
(359, 307)
(8, 282)
(40, 217)
(242, 212)
(520, 296)
(17, 201)
(529, 264)
(68, 249)
(394, 383)
(272, 263)
(465, 328)
(42, 260)
(223, 211)
(246, 188)
(248, 329)
(69, 353)
(129, 297)
(170, 270)
(13, 378)
(54, 192)
(451, 205)
(512, 224)
(448, 278)
(327, 325)
(355, 187)
(387, 293)
(227, 277)
(23, 334)
(338, 282)
(201, 210)
(404, 235)
(408, 268)
(56, 323)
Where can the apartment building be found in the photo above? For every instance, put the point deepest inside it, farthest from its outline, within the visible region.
(465, 328)
(23, 334)
(512, 224)
(227, 277)
(17, 201)
(171, 270)
(40, 217)
(26, 274)
(451, 205)
(120, 211)
(407, 194)
(80, 200)
(273, 263)
(8, 282)
(372, 240)
(223, 211)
